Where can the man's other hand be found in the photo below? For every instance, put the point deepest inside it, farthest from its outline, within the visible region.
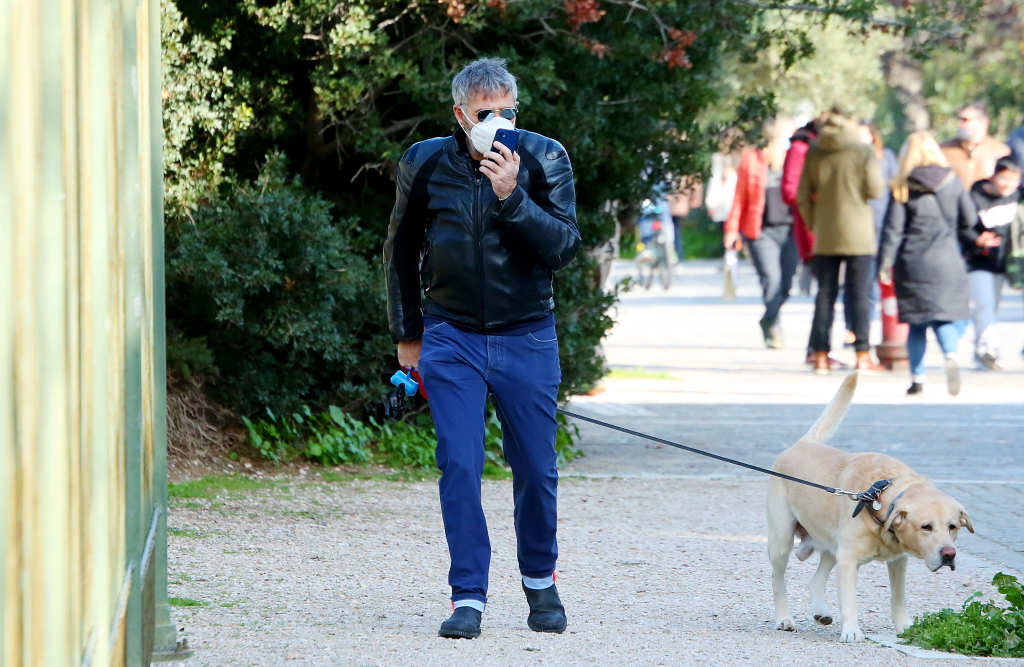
(501, 167)
(729, 240)
(989, 240)
(409, 353)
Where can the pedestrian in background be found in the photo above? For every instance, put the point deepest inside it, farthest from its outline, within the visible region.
(766, 224)
(973, 153)
(870, 135)
(920, 253)
(986, 247)
(721, 188)
(1016, 144)
(840, 176)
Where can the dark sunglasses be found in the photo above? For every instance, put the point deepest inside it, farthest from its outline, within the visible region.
(485, 115)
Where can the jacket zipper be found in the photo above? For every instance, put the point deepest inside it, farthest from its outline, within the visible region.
(478, 229)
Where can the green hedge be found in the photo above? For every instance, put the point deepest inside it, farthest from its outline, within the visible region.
(264, 284)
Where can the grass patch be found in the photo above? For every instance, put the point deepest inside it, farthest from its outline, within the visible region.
(638, 373)
(181, 532)
(979, 628)
(211, 486)
(185, 602)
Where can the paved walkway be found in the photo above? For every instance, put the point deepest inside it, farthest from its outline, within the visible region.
(692, 368)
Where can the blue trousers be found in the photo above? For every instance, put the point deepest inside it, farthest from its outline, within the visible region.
(458, 370)
(948, 334)
(775, 258)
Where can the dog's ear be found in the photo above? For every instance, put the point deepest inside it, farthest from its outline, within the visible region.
(895, 520)
(965, 520)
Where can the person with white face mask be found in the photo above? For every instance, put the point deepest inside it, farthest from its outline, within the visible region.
(475, 236)
(973, 153)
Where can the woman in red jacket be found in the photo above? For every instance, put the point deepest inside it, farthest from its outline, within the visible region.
(766, 223)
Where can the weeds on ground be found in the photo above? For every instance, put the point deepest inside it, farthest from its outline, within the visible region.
(211, 486)
(185, 602)
(979, 628)
(336, 438)
(184, 532)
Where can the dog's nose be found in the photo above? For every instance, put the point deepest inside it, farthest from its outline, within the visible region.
(948, 554)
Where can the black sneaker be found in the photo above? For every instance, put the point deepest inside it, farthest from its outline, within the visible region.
(915, 388)
(546, 611)
(464, 623)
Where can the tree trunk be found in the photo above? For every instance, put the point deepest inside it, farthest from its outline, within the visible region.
(903, 75)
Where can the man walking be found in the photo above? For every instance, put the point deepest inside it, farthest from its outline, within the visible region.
(475, 234)
(840, 175)
(973, 153)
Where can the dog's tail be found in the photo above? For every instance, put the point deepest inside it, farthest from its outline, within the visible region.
(830, 419)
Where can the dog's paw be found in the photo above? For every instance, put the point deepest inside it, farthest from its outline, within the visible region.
(901, 625)
(785, 624)
(824, 619)
(852, 635)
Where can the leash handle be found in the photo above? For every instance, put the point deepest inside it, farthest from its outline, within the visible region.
(853, 495)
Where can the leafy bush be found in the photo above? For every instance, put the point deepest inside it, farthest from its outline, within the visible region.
(329, 438)
(264, 277)
(980, 628)
(333, 438)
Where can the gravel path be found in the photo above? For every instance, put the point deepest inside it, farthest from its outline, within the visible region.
(652, 572)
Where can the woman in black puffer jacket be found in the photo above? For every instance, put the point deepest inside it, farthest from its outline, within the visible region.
(921, 252)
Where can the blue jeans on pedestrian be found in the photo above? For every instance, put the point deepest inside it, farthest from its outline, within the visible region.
(775, 259)
(459, 369)
(948, 334)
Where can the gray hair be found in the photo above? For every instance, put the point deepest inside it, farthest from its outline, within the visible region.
(486, 75)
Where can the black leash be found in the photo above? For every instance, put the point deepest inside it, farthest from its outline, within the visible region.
(853, 495)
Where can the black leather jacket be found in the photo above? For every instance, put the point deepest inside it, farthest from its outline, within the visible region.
(455, 252)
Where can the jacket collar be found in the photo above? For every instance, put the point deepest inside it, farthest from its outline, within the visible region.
(457, 149)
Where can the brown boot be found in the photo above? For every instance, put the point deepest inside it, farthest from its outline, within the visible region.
(865, 363)
(821, 365)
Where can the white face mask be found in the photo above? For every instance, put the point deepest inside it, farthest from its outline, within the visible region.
(482, 134)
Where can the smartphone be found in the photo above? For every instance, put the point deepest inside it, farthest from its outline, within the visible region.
(510, 138)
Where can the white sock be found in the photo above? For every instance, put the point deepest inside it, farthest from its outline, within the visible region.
(918, 379)
(954, 357)
(539, 584)
(473, 604)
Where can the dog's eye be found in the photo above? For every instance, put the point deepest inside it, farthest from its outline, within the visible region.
(952, 527)
(926, 526)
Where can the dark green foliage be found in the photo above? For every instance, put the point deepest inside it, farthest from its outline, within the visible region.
(980, 628)
(267, 278)
(334, 437)
(329, 438)
(189, 356)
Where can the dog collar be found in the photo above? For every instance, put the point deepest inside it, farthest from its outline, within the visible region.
(872, 496)
(876, 505)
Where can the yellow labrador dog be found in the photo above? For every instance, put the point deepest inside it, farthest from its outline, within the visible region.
(910, 516)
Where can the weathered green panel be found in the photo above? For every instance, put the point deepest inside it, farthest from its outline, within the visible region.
(82, 426)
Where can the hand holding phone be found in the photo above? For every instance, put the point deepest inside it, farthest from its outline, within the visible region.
(501, 164)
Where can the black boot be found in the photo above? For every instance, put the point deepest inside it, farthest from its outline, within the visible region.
(463, 623)
(546, 611)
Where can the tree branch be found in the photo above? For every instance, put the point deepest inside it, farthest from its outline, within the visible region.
(875, 20)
